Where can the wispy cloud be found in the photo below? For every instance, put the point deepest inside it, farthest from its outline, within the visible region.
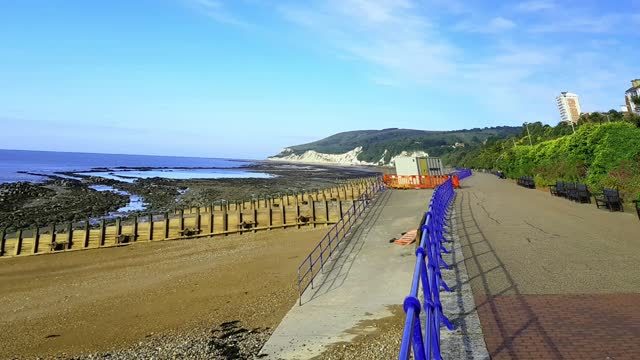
(535, 6)
(391, 35)
(493, 26)
(217, 10)
(583, 24)
(403, 43)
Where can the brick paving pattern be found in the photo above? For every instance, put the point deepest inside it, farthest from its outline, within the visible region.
(551, 279)
(561, 326)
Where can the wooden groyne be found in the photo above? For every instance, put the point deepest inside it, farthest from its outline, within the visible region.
(304, 209)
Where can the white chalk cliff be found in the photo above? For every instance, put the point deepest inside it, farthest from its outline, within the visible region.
(348, 158)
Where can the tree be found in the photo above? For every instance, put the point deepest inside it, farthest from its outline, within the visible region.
(615, 115)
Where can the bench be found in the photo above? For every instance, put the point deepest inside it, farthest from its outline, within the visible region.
(610, 199)
(527, 181)
(637, 202)
(558, 189)
(246, 224)
(570, 190)
(581, 194)
(189, 232)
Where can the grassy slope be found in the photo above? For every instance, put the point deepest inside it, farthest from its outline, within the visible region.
(375, 142)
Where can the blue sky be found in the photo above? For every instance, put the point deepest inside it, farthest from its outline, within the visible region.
(245, 78)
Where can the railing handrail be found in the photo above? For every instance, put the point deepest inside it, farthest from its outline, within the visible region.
(427, 273)
(352, 215)
(461, 173)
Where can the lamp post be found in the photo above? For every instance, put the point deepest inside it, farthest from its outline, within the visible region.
(528, 133)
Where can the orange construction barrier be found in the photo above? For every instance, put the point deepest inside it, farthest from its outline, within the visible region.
(455, 181)
(418, 181)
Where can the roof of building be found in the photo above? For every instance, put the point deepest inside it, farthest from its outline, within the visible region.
(633, 89)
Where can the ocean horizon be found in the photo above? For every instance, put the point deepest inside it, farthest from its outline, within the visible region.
(12, 162)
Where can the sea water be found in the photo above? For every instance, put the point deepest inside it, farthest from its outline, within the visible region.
(172, 167)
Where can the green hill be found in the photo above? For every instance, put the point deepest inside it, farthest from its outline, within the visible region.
(390, 142)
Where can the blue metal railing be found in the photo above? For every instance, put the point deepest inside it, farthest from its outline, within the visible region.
(309, 268)
(462, 173)
(426, 344)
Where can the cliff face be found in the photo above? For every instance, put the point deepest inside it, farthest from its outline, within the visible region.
(347, 158)
(312, 156)
(381, 147)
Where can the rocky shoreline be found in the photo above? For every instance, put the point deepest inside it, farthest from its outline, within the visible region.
(227, 341)
(68, 197)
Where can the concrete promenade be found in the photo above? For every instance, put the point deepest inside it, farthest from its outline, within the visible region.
(552, 279)
(369, 275)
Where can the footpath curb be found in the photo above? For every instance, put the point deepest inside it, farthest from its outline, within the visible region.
(467, 340)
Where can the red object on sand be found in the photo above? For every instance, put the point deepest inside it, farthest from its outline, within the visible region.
(408, 238)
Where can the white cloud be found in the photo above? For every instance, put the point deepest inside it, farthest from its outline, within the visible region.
(493, 26)
(500, 23)
(600, 24)
(380, 11)
(388, 34)
(216, 10)
(535, 6)
(400, 43)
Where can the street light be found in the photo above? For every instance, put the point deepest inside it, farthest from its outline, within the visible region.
(528, 133)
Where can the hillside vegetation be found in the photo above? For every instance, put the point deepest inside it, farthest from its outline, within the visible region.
(387, 143)
(600, 153)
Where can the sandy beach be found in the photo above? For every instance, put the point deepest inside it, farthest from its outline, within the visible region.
(139, 296)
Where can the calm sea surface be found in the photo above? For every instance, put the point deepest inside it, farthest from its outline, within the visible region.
(49, 162)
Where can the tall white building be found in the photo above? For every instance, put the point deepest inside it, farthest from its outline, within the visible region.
(569, 107)
(633, 92)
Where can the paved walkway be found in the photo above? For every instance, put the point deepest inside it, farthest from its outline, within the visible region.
(551, 279)
(369, 275)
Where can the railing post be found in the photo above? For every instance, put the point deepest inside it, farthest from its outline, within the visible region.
(87, 234)
(321, 259)
(311, 269)
(70, 235)
(3, 239)
(198, 220)
(299, 290)
(150, 221)
(36, 239)
(18, 247)
(118, 227)
(135, 228)
(167, 225)
(101, 240)
(211, 218)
